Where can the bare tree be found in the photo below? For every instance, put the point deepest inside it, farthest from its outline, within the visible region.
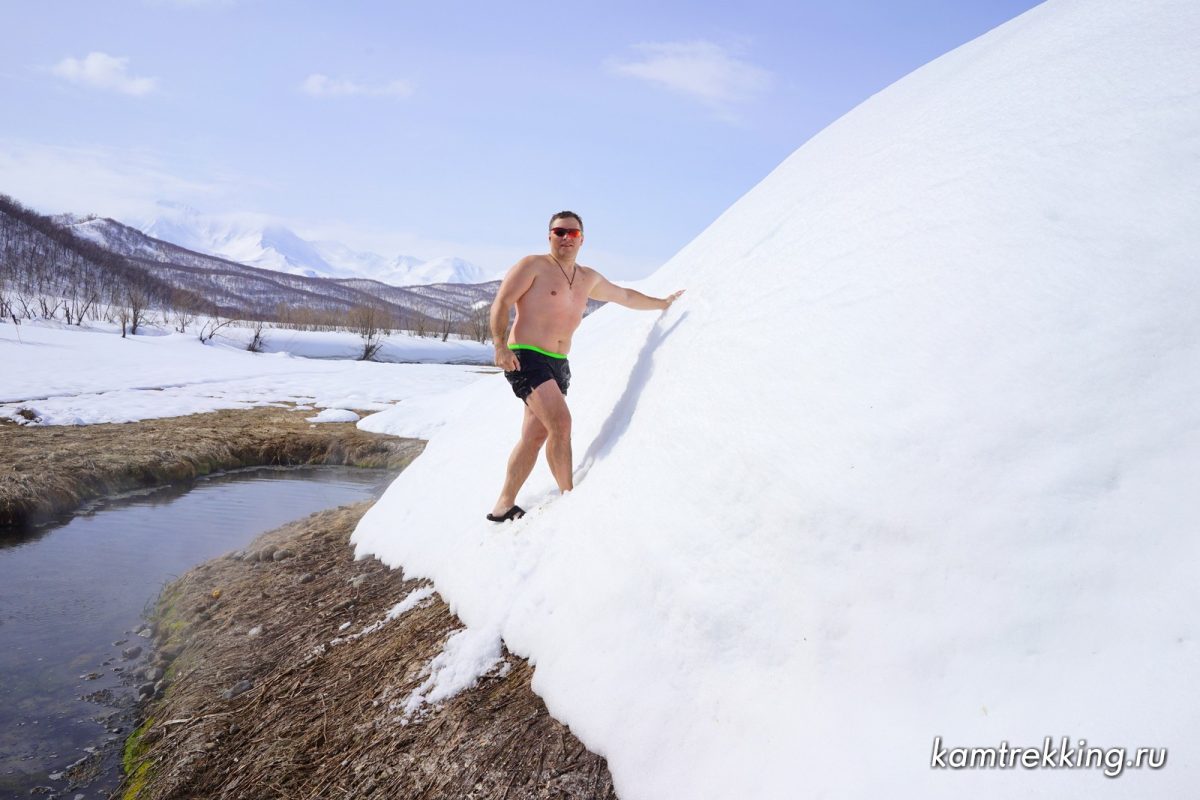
(369, 323)
(82, 297)
(445, 321)
(49, 306)
(182, 317)
(212, 325)
(5, 303)
(257, 342)
(121, 312)
(138, 301)
(477, 324)
(421, 319)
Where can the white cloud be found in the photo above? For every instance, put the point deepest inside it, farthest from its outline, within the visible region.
(319, 85)
(120, 183)
(102, 71)
(701, 70)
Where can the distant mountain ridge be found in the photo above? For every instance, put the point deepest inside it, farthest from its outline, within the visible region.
(259, 292)
(276, 247)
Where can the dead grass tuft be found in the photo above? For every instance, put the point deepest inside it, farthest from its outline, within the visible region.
(316, 722)
(49, 471)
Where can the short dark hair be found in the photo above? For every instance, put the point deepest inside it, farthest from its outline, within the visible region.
(566, 215)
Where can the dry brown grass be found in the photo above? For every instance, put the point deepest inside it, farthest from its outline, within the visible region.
(48, 471)
(317, 722)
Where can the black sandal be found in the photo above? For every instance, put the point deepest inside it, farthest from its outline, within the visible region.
(516, 512)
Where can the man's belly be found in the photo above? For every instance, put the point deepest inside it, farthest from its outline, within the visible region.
(555, 337)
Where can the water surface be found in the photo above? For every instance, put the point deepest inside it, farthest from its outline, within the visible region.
(69, 593)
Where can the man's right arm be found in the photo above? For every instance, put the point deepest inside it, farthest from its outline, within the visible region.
(512, 288)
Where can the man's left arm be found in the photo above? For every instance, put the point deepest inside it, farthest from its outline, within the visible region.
(608, 292)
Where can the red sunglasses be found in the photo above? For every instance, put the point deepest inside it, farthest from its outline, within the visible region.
(570, 233)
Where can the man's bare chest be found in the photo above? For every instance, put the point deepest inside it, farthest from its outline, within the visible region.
(555, 297)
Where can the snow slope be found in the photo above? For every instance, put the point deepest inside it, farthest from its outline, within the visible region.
(915, 456)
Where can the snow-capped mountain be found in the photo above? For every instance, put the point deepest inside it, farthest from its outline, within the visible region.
(446, 269)
(262, 243)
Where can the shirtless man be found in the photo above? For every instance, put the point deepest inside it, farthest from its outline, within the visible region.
(550, 293)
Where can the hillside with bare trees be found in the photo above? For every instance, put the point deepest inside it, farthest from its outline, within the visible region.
(68, 267)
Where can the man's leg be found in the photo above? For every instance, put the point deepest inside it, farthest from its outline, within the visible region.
(550, 408)
(521, 461)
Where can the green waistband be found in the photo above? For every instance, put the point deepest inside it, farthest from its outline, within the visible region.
(535, 349)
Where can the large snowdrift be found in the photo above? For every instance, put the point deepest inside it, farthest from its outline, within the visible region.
(915, 456)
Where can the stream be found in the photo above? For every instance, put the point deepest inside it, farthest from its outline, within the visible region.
(72, 600)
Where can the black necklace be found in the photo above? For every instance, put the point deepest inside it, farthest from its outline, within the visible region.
(574, 270)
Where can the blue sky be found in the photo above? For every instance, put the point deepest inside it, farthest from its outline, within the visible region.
(444, 130)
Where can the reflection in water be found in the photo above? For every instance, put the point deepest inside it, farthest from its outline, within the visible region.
(70, 592)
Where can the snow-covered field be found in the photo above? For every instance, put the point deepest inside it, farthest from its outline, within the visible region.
(917, 454)
(75, 376)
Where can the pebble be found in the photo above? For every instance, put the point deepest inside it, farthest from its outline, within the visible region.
(357, 582)
(282, 555)
(306, 578)
(120, 642)
(146, 690)
(91, 676)
(131, 652)
(266, 554)
(241, 687)
(152, 673)
(255, 631)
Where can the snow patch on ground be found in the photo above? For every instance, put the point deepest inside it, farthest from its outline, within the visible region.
(68, 375)
(469, 654)
(334, 415)
(414, 599)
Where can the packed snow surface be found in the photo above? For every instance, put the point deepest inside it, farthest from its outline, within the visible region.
(64, 375)
(916, 455)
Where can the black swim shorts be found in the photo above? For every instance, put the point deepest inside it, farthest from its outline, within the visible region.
(536, 369)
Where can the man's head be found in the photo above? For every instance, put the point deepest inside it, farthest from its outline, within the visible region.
(566, 234)
(567, 216)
